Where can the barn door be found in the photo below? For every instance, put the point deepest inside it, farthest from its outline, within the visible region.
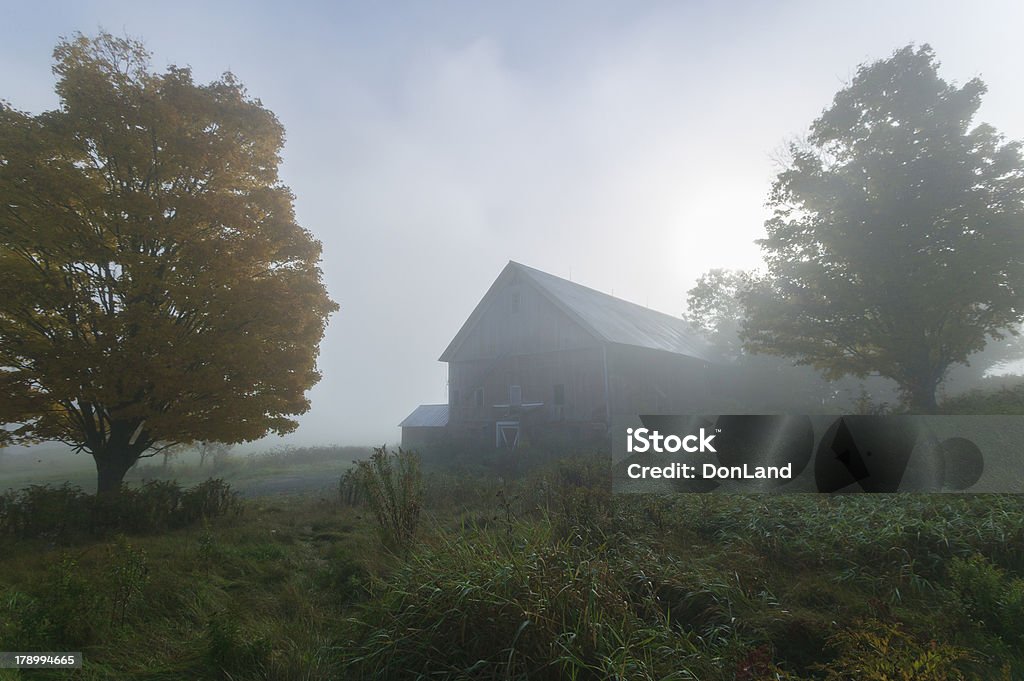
(506, 434)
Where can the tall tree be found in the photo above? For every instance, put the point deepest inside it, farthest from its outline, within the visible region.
(156, 287)
(896, 244)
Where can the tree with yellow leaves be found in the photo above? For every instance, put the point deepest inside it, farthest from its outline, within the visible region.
(155, 287)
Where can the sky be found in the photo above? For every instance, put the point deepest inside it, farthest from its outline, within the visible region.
(627, 146)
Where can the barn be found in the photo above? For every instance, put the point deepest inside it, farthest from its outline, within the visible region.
(545, 360)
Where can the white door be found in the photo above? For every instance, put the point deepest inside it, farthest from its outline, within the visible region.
(506, 434)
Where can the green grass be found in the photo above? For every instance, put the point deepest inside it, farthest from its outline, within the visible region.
(552, 578)
(307, 469)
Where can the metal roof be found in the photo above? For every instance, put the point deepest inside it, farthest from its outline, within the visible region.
(427, 416)
(614, 320)
(606, 318)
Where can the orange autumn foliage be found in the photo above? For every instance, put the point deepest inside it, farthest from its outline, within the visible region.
(155, 287)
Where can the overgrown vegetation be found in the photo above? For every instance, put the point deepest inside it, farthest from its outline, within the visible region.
(877, 651)
(1005, 400)
(66, 513)
(391, 484)
(538, 574)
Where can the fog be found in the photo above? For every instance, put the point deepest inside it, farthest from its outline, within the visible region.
(627, 147)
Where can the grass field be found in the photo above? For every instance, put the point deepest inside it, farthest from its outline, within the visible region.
(536, 574)
(310, 469)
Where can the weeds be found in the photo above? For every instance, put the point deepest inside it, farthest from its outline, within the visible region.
(992, 597)
(552, 578)
(877, 651)
(129, 574)
(391, 484)
(207, 547)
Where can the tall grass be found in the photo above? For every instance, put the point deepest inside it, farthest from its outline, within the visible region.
(553, 578)
(474, 606)
(391, 484)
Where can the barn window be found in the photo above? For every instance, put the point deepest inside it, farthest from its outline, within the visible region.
(515, 395)
(479, 395)
(559, 397)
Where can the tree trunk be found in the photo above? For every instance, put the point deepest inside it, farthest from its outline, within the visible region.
(112, 463)
(117, 454)
(922, 396)
(110, 472)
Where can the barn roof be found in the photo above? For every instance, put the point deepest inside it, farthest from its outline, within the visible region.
(606, 317)
(427, 416)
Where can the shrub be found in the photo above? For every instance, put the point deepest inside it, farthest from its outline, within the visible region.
(43, 511)
(1003, 400)
(876, 651)
(992, 597)
(210, 499)
(392, 486)
(66, 512)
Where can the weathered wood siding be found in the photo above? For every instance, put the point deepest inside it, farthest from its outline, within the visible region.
(522, 339)
(416, 436)
(645, 381)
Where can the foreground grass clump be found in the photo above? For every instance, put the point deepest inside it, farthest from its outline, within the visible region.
(539, 607)
(391, 484)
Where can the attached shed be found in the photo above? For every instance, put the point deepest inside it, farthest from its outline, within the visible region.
(424, 426)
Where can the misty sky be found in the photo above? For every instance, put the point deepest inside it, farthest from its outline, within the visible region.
(627, 145)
